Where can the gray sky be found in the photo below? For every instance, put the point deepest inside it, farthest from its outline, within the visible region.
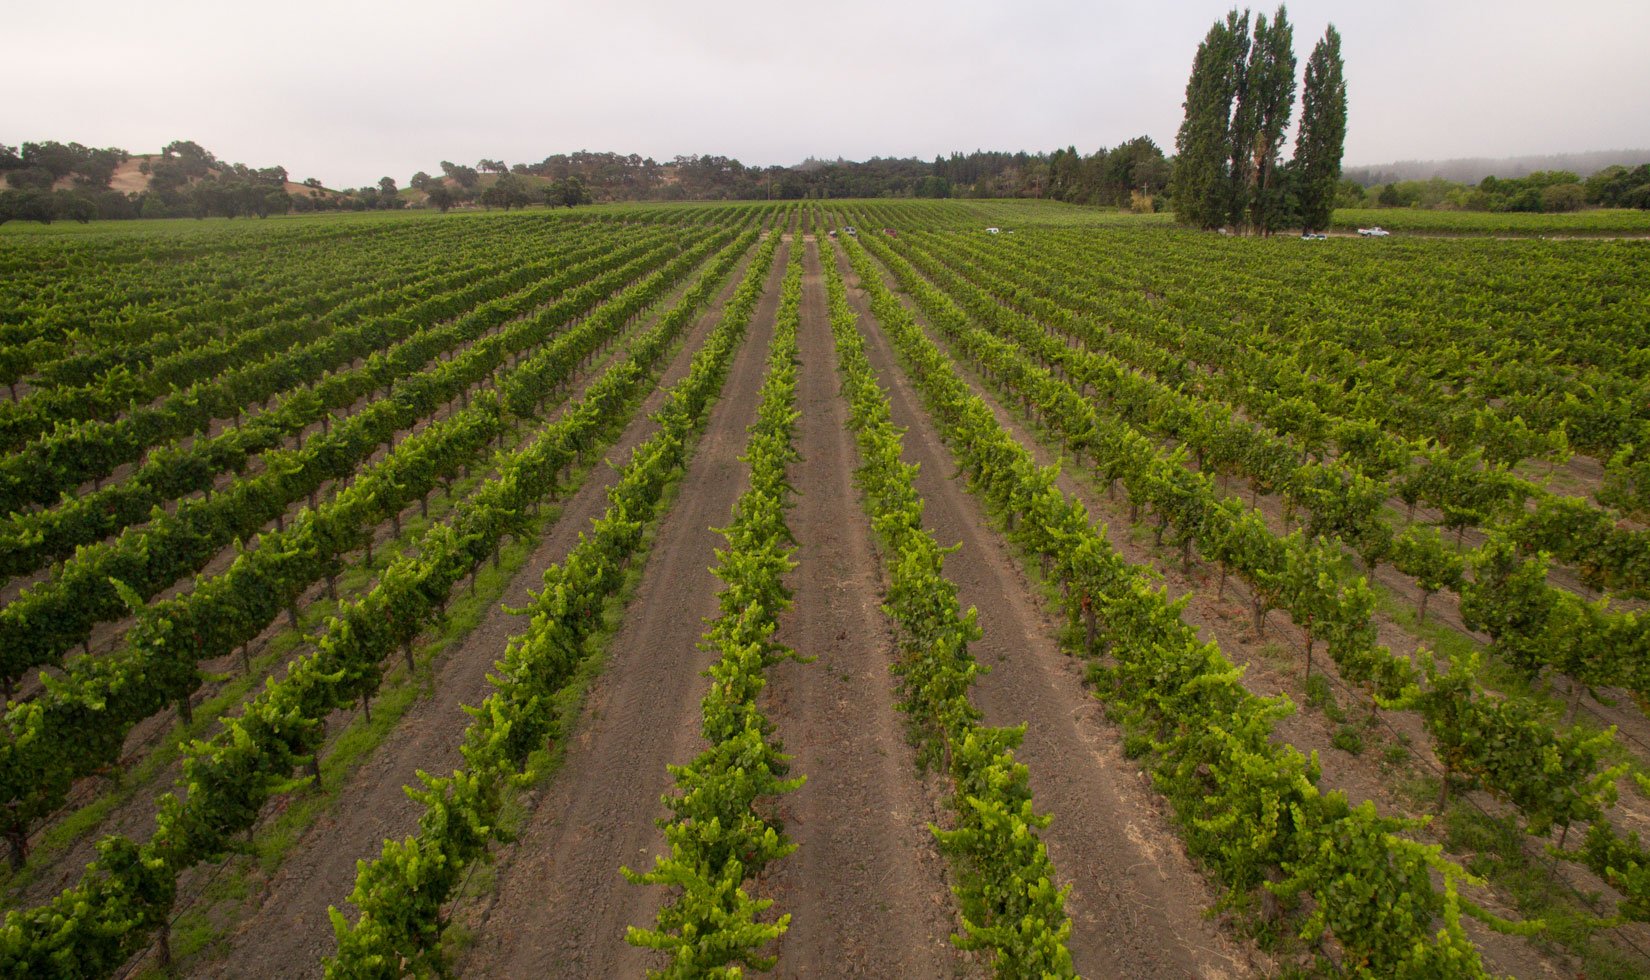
(349, 91)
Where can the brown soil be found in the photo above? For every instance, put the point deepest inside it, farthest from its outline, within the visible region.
(320, 870)
(866, 886)
(561, 907)
(1136, 902)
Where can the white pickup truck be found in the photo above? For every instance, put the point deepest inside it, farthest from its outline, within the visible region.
(1375, 232)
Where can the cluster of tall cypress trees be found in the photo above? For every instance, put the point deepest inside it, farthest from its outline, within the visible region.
(1239, 101)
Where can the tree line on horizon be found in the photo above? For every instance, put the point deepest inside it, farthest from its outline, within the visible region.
(49, 181)
(1470, 170)
(1227, 171)
(54, 181)
(1542, 191)
(1106, 177)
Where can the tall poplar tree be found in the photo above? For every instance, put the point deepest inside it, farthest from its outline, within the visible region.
(1322, 138)
(1240, 134)
(1201, 184)
(1239, 102)
(1269, 97)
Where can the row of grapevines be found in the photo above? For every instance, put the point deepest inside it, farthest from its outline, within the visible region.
(66, 322)
(88, 450)
(109, 319)
(1539, 333)
(51, 617)
(81, 721)
(30, 540)
(1350, 491)
(401, 892)
(1249, 807)
(1202, 330)
(1587, 641)
(1627, 476)
(718, 840)
(1011, 906)
(1553, 777)
(138, 373)
(176, 471)
(228, 778)
(218, 294)
(1483, 441)
(172, 243)
(1531, 623)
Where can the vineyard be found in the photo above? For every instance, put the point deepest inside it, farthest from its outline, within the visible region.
(826, 588)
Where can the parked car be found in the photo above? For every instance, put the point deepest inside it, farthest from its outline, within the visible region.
(1313, 236)
(1375, 232)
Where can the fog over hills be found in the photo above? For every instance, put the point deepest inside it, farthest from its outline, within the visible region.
(1471, 170)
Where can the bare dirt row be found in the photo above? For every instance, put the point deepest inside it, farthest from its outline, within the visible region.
(560, 906)
(866, 886)
(1136, 902)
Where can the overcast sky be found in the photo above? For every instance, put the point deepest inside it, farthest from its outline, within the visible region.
(349, 91)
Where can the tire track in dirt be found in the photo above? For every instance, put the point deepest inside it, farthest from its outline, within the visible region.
(290, 933)
(866, 886)
(1136, 902)
(561, 907)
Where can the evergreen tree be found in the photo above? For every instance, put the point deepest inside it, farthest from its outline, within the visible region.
(1269, 94)
(1323, 132)
(1201, 185)
(1240, 135)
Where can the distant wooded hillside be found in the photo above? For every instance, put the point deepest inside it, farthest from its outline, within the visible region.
(1471, 170)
